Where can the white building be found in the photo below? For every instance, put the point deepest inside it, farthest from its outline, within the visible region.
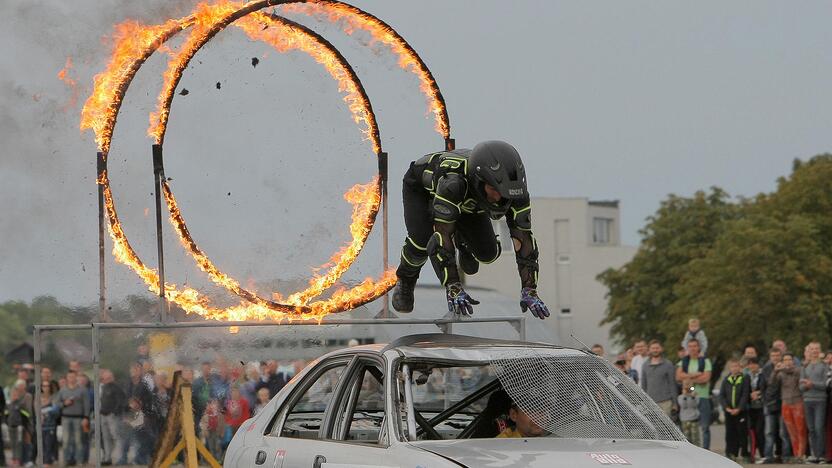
(578, 239)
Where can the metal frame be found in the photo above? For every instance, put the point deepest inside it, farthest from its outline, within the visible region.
(445, 324)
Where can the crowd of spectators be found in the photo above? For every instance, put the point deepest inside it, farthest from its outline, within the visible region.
(132, 410)
(775, 408)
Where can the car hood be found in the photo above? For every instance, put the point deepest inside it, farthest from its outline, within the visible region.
(574, 453)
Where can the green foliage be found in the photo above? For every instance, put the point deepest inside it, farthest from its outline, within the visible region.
(751, 271)
(683, 229)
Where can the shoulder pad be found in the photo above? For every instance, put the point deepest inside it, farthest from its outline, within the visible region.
(450, 192)
(426, 159)
(452, 187)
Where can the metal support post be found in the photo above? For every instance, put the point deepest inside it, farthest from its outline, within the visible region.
(102, 289)
(158, 175)
(38, 415)
(382, 169)
(96, 381)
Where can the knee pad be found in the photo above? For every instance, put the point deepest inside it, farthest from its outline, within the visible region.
(493, 257)
(413, 254)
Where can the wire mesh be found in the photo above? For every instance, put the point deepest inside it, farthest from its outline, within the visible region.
(580, 396)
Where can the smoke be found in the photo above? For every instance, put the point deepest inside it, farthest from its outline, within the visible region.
(40, 161)
(48, 230)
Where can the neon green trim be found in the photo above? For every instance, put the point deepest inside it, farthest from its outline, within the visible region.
(517, 212)
(414, 244)
(407, 260)
(445, 279)
(443, 221)
(445, 199)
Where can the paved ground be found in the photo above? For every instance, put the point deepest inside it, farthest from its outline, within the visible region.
(718, 446)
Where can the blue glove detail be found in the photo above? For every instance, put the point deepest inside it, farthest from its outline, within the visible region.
(530, 301)
(459, 302)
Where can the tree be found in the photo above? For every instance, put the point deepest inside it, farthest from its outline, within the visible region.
(751, 271)
(640, 292)
(763, 279)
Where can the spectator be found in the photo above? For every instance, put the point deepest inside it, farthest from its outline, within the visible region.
(734, 395)
(787, 377)
(621, 364)
(141, 429)
(777, 441)
(139, 436)
(756, 417)
(161, 399)
(658, 379)
(212, 428)
(84, 382)
(21, 423)
(272, 379)
(598, 350)
(249, 388)
(828, 361)
(262, 400)
(113, 404)
(697, 369)
(299, 365)
(813, 388)
(640, 355)
(50, 410)
(46, 376)
(237, 411)
(749, 352)
(689, 413)
(695, 332)
(75, 411)
(2, 417)
(202, 390)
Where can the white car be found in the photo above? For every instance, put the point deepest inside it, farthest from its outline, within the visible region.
(436, 400)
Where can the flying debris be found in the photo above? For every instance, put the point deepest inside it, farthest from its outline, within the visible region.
(134, 43)
(184, 92)
(219, 85)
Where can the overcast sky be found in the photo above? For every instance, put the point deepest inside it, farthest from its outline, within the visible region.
(606, 100)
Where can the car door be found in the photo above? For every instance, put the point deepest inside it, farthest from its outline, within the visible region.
(300, 417)
(351, 432)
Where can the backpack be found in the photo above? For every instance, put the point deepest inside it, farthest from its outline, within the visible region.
(686, 364)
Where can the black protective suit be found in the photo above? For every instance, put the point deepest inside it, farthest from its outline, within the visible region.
(443, 212)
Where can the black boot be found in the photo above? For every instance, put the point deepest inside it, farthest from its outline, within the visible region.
(469, 264)
(403, 294)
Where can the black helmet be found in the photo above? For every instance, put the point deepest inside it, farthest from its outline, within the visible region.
(498, 164)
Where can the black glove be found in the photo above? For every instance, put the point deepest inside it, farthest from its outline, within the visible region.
(459, 302)
(530, 301)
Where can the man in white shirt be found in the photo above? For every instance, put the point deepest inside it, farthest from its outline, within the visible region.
(640, 355)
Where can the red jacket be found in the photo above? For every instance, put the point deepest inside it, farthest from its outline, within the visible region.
(236, 412)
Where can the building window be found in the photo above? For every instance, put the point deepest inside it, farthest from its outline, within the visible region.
(601, 230)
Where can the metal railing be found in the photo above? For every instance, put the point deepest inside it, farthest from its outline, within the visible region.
(445, 324)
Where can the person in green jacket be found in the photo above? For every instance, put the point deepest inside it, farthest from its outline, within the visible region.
(734, 396)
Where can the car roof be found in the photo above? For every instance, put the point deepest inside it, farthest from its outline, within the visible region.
(445, 340)
(451, 346)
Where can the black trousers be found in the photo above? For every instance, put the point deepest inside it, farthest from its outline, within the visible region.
(475, 230)
(736, 434)
(757, 426)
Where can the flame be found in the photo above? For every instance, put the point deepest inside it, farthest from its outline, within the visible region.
(351, 18)
(63, 75)
(202, 22)
(132, 44)
(285, 37)
(192, 302)
(365, 200)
